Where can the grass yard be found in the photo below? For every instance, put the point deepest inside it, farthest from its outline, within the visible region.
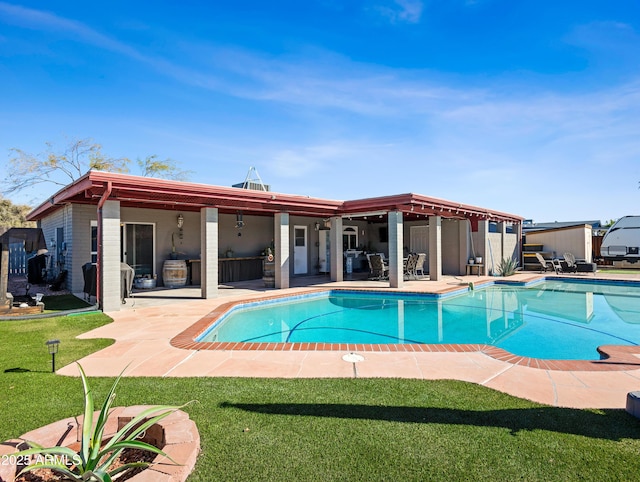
(327, 429)
(63, 303)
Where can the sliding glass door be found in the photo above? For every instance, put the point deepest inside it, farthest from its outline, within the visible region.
(138, 247)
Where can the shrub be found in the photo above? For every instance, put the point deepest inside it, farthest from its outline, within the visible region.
(507, 267)
(93, 461)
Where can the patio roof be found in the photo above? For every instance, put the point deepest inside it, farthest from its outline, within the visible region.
(137, 191)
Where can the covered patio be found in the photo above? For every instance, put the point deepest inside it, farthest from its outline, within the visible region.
(449, 233)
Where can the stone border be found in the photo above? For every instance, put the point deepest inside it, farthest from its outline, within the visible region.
(177, 435)
(613, 357)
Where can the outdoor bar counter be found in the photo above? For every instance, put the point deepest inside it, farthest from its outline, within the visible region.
(229, 269)
(239, 269)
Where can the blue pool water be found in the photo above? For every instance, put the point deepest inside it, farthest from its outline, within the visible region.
(552, 319)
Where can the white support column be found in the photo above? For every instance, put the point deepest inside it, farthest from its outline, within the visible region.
(337, 254)
(209, 252)
(281, 230)
(483, 249)
(110, 295)
(435, 248)
(396, 272)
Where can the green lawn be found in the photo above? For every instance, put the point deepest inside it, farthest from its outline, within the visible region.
(333, 430)
(620, 271)
(64, 302)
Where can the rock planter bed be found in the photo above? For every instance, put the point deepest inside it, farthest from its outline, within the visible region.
(177, 435)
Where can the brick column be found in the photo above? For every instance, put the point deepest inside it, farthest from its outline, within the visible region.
(281, 230)
(435, 248)
(110, 295)
(209, 252)
(396, 271)
(337, 254)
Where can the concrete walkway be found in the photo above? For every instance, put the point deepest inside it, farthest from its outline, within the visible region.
(144, 328)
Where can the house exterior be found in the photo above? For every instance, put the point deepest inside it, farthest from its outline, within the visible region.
(107, 218)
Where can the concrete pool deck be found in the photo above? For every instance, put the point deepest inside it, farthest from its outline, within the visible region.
(144, 328)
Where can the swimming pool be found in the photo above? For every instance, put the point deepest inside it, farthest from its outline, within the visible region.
(564, 320)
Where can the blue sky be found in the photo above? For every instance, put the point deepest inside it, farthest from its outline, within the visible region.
(528, 107)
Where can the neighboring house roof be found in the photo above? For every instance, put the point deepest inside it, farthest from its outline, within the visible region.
(528, 227)
(136, 191)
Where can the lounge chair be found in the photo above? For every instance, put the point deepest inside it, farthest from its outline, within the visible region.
(378, 268)
(580, 266)
(569, 263)
(545, 264)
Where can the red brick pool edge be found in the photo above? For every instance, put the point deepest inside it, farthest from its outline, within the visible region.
(614, 357)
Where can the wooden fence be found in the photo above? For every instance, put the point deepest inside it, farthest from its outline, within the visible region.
(17, 259)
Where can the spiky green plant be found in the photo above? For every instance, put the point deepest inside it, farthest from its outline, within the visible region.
(96, 455)
(507, 267)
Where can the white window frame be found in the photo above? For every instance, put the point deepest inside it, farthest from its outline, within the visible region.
(350, 231)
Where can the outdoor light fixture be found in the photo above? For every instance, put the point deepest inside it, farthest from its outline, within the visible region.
(317, 226)
(52, 345)
(239, 221)
(180, 221)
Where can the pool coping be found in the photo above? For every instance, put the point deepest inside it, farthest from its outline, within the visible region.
(614, 357)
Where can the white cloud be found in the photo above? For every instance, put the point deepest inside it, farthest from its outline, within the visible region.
(469, 139)
(400, 11)
(41, 20)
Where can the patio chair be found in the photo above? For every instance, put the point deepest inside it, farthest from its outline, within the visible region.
(410, 266)
(368, 255)
(545, 264)
(379, 269)
(422, 257)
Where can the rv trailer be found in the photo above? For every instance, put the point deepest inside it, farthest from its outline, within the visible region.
(622, 241)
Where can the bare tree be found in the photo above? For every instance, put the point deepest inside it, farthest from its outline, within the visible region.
(151, 166)
(27, 170)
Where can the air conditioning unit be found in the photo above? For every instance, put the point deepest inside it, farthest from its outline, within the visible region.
(256, 186)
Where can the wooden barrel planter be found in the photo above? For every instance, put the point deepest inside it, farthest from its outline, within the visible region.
(269, 272)
(174, 273)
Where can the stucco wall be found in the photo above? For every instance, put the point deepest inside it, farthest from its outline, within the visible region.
(450, 247)
(495, 254)
(575, 240)
(80, 251)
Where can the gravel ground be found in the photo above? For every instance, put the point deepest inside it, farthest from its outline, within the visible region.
(17, 286)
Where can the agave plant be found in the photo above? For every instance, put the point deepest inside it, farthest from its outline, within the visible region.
(507, 267)
(93, 461)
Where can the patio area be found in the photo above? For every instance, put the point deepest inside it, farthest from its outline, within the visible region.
(143, 330)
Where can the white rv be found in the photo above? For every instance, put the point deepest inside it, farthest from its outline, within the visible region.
(622, 241)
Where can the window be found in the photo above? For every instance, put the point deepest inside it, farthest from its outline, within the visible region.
(349, 237)
(94, 242)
